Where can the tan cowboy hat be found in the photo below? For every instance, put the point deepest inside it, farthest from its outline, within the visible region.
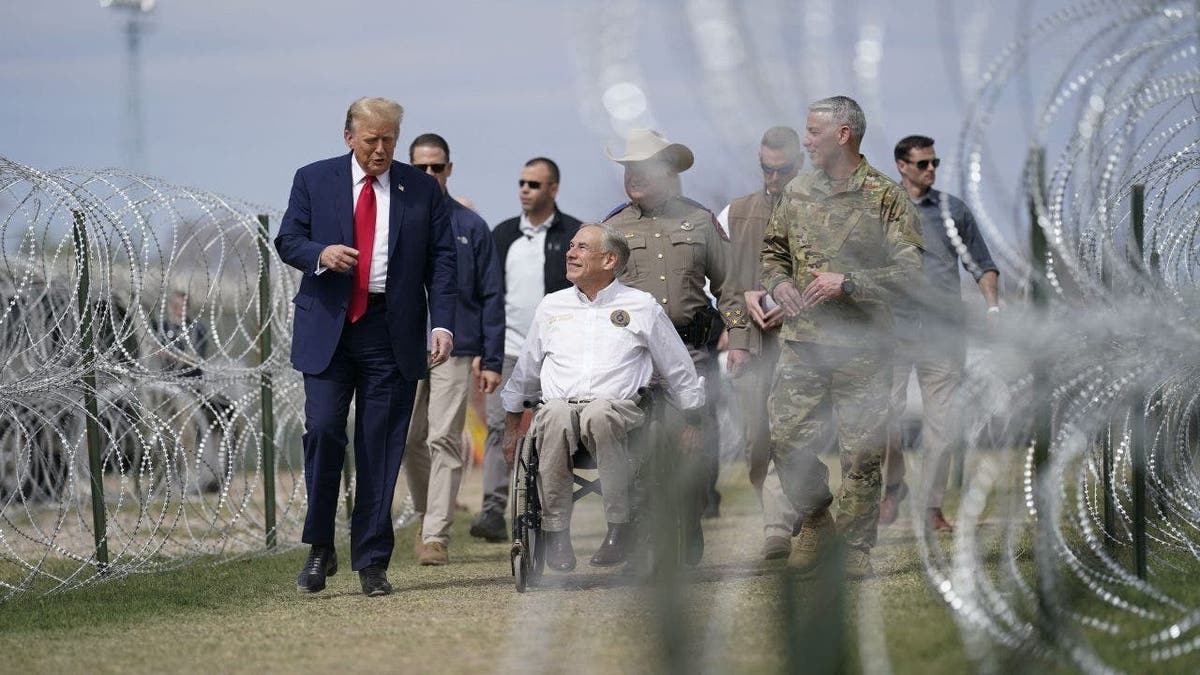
(643, 144)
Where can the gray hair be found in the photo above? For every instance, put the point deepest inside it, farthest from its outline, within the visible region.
(612, 241)
(843, 110)
(379, 109)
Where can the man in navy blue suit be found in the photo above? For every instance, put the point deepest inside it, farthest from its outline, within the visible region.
(372, 237)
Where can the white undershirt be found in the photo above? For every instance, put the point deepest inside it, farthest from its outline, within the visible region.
(377, 282)
(524, 282)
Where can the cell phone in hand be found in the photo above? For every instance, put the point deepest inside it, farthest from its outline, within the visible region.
(767, 302)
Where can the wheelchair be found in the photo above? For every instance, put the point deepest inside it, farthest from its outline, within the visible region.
(528, 553)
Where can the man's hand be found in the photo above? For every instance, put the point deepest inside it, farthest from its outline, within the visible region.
(737, 360)
(440, 346)
(789, 298)
(512, 433)
(765, 320)
(825, 286)
(723, 341)
(486, 381)
(338, 258)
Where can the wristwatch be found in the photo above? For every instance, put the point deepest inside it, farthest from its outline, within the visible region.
(848, 285)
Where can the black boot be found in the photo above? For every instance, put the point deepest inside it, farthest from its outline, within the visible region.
(612, 551)
(560, 555)
(321, 563)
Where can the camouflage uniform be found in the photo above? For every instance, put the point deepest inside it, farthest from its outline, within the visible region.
(834, 375)
(671, 251)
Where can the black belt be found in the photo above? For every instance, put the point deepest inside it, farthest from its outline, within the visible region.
(373, 298)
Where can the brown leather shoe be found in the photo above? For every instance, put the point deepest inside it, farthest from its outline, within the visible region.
(889, 508)
(560, 555)
(434, 553)
(938, 521)
(612, 550)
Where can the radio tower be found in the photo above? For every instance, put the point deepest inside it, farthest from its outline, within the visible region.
(133, 139)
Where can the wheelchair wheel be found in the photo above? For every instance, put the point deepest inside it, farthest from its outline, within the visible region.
(528, 548)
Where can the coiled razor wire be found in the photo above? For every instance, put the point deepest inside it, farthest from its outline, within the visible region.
(172, 284)
(1108, 93)
(1036, 570)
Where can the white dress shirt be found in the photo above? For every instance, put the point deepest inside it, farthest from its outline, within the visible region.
(383, 207)
(524, 282)
(602, 349)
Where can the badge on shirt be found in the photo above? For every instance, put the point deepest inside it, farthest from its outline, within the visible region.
(619, 318)
(686, 226)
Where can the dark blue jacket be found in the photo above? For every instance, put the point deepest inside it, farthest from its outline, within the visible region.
(479, 321)
(421, 262)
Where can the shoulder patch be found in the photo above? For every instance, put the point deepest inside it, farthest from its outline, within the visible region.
(620, 207)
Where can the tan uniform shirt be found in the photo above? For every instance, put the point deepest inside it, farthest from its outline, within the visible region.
(748, 217)
(671, 251)
(864, 225)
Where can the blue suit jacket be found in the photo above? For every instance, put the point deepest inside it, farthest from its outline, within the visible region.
(421, 260)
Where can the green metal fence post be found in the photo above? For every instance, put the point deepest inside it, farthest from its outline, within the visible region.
(1137, 205)
(267, 393)
(92, 424)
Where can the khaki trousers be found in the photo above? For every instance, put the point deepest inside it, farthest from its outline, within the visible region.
(433, 458)
(938, 376)
(752, 391)
(603, 427)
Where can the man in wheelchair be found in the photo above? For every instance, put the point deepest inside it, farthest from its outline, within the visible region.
(590, 349)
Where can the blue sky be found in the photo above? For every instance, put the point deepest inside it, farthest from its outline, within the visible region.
(237, 95)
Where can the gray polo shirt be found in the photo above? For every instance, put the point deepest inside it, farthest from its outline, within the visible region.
(938, 306)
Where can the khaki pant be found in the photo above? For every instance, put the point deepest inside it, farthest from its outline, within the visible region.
(938, 375)
(752, 390)
(433, 458)
(602, 426)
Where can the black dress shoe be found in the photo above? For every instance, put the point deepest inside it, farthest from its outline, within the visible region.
(693, 544)
(374, 581)
(560, 555)
(612, 551)
(489, 526)
(321, 563)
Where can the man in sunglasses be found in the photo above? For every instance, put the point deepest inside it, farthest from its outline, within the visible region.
(433, 463)
(931, 328)
(745, 219)
(675, 245)
(531, 249)
(841, 245)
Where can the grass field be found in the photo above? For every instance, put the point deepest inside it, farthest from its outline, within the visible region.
(246, 616)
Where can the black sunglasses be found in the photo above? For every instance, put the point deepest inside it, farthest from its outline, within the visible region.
(924, 163)
(533, 184)
(768, 170)
(437, 168)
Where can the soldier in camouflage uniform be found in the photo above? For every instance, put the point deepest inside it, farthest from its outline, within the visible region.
(674, 244)
(842, 243)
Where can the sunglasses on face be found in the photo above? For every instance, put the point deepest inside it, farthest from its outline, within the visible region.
(533, 184)
(780, 170)
(924, 163)
(437, 168)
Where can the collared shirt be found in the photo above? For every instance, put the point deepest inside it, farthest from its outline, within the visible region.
(524, 282)
(938, 306)
(383, 203)
(605, 348)
(672, 251)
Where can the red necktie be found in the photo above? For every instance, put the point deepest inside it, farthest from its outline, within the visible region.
(364, 241)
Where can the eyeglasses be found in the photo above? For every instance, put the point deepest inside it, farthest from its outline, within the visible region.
(533, 184)
(923, 164)
(780, 170)
(437, 168)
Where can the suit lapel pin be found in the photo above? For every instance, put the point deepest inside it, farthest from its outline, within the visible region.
(399, 187)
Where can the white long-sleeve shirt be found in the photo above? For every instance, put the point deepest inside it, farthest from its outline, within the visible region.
(602, 349)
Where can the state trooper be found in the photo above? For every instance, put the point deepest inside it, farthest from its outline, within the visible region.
(842, 244)
(674, 245)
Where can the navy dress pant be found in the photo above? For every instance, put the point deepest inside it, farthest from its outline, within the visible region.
(364, 369)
